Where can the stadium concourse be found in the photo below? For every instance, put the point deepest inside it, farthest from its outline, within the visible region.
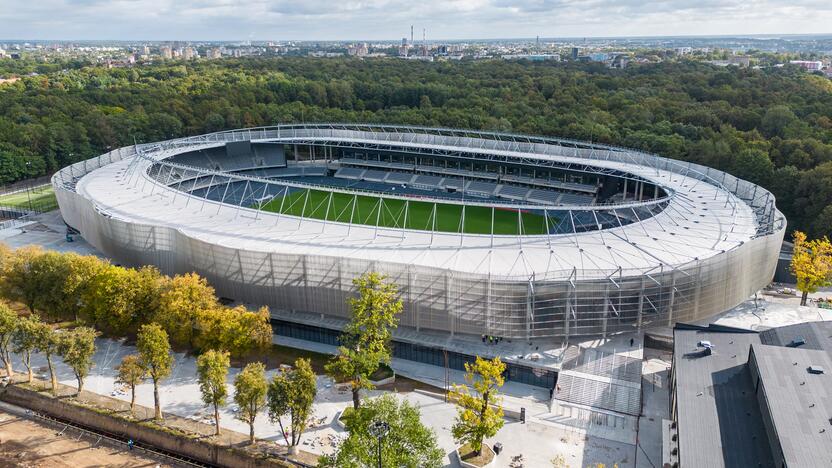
(501, 244)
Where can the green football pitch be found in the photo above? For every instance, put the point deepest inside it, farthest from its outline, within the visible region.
(37, 198)
(396, 213)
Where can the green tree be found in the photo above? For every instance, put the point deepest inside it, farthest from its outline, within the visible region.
(250, 388)
(131, 372)
(480, 414)
(154, 351)
(77, 348)
(811, 264)
(212, 371)
(778, 120)
(292, 393)
(408, 444)
(8, 327)
(47, 343)
(365, 342)
(25, 341)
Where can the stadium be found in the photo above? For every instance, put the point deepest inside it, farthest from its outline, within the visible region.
(522, 237)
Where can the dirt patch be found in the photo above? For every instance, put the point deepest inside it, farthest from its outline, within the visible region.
(24, 443)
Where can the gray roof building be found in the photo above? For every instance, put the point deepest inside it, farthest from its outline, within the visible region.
(747, 399)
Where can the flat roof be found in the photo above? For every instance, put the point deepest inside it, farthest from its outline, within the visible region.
(799, 402)
(719, 421)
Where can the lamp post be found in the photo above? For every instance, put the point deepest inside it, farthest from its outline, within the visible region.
(379, 429)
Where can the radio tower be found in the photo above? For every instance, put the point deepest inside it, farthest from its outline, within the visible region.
(411, 34)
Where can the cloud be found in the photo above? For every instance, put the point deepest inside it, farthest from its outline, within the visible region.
(389, 19)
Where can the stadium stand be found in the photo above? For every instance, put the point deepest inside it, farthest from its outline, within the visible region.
(350, 173)
(484, 189)
(428, 182)
(547, 197)
(399, 178)
(513, 192)
(576, 199)
(374, 176)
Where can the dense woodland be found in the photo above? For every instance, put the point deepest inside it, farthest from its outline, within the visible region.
(771, 126)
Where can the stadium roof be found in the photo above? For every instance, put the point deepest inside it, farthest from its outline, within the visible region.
(700, 221)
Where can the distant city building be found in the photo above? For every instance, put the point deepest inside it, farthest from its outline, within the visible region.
(532, 57)
(214, 53)
(145, 50)
(189, 53)
(811, 65)
(574, 53)
(360, 50)
(598, 57)
(736, 61)
(166, 52)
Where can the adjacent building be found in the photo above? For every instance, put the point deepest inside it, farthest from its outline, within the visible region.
(746, 399)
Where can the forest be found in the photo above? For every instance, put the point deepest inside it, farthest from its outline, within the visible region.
(772, 126)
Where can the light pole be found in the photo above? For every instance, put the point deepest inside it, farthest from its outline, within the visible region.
(29, 185)
(379, 429)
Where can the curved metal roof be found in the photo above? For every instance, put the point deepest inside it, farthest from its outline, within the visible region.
(707, 213)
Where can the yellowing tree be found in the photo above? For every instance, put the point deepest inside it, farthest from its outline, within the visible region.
(131, 372)
(154, 352)
(20, 280)
(811, 264)
(182, 300)
(25, 341)
(365, 342)
(236, 330)
(480, 414)
(8, 328)
(250, 391)
(212, 370)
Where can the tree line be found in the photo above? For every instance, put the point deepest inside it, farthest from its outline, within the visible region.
(772, 126)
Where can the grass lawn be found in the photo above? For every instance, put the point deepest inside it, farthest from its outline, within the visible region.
(42, 199)
(396, 213)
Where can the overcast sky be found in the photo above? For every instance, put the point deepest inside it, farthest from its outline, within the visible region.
(391, 19)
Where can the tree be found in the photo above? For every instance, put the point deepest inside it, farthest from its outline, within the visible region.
(408, 444)
(811, 264)
(250, 388)
(20, 280)
(25, 341)
(237, 330)
(292, 392)
(479, 415)
(77, 347)
(182, 300)
(47, 343)
(120, 300)
(8, 328)
(365, 342)
(154, 352)
(212, 370)
(131, 372)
